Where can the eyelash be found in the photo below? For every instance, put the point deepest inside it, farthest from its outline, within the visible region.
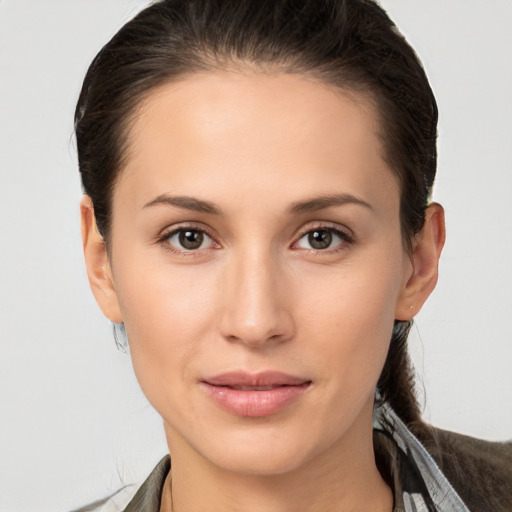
(164, 239)
(345, 237)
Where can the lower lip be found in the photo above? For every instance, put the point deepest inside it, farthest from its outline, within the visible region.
(255, 403)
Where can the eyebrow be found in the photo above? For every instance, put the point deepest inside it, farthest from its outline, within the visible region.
(326, 201)
(299, 207)
(186, 202)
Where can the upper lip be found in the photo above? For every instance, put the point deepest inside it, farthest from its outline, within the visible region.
(265, 378)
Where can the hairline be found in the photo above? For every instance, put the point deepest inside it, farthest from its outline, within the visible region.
(359, 92)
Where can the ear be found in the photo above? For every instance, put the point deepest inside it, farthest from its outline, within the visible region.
(97, 263)
(427, 247)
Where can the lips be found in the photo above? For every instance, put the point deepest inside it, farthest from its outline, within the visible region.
(252, 388)
(254, 395)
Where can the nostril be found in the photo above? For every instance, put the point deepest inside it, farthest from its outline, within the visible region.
(254, 312)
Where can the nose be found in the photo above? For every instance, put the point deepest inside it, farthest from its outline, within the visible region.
(256, 305)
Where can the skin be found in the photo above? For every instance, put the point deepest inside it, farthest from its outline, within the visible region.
(256, 295)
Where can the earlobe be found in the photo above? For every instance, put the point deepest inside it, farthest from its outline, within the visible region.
(98, 266)
(427, 247)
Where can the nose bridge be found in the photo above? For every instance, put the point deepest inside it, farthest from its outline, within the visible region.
(254, 307)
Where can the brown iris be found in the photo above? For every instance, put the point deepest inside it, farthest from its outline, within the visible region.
(320, 239)
(191, 239)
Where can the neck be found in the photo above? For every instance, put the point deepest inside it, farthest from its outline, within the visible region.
(341, 479)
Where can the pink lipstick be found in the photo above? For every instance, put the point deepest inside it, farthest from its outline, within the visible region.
(254, 395)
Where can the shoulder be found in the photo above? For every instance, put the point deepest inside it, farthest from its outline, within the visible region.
(135, 498)
(116, 502)
(480, 471)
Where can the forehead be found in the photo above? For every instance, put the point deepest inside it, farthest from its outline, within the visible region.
(256, 131)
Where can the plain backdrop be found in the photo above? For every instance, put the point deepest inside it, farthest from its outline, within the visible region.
(73, 423)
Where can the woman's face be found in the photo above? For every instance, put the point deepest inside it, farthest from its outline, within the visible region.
(257, 263)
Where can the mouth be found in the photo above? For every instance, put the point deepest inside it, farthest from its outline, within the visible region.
(255, 395)
(252, 388)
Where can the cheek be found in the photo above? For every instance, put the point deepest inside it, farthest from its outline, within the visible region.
(167, 311)
(156, 295)
(349, 312)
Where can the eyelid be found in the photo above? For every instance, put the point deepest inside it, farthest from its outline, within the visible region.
(321, 224)
(344, 232)
(169, 231)
(179, 226)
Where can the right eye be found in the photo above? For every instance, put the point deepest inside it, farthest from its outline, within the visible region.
(188, 239)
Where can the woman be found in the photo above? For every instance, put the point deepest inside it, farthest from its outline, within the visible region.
(257, 221)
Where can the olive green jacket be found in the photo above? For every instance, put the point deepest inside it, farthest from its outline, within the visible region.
(450, 473)
(479, 471)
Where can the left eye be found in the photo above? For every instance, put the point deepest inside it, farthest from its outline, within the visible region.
(189, 239)
(322, 238)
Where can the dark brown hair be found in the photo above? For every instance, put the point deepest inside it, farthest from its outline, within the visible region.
(350, 44)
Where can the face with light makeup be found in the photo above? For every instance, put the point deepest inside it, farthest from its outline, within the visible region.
(256, 228)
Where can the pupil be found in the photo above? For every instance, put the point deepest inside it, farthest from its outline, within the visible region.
(191, 239)
(320, 239)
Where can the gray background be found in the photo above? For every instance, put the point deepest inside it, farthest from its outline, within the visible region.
(73, 423)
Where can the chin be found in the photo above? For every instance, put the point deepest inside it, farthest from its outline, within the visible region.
(275, 444)
(264, 450)
(260, 460)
